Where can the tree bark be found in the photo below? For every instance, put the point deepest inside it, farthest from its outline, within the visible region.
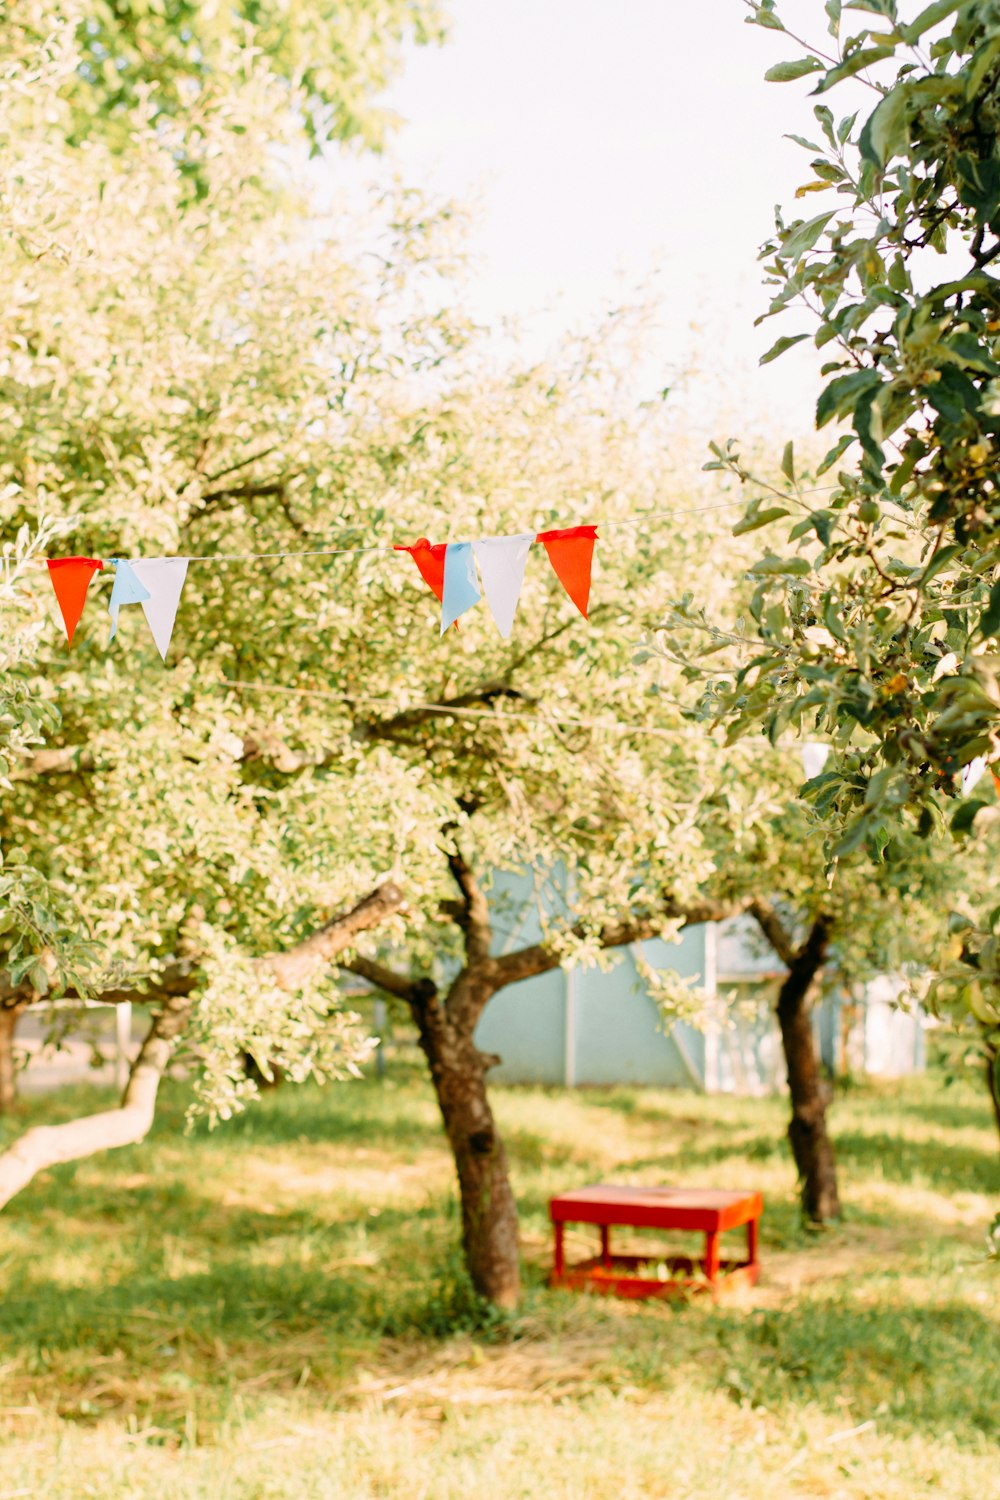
(9, 1015)
(807, 1132)
(458, 1071)
(992, 1082)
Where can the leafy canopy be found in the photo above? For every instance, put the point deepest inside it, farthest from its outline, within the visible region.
(875, 623)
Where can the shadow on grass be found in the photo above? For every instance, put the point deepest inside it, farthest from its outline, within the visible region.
(914, 1368)
(948, 1166)
(921, 1369)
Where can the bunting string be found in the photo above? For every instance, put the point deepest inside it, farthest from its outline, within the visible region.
(451, 570)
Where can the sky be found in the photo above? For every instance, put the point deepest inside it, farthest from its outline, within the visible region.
(604, 141)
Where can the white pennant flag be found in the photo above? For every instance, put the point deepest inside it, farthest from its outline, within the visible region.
(971, 773)
(502, 561)
(164, 578)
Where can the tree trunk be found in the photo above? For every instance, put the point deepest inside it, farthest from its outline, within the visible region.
(9, 1015)
(807, 1132)
(458, 1070)
(47, 1145)
(993, 1081)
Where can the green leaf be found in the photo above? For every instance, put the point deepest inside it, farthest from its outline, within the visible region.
(840, 447)
(853, 838)
(803, 236)
(774, 567)
(833, 621)
(989, 620)
(887, 127)
(758, 519)
(841, 394)
(788, 462)
(779, 348)
(941, 560)
(863, 58)
(983, 60)
(966, 814)
(786, 72)
(928, 17)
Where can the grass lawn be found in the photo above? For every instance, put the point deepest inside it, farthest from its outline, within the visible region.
(277, 1309)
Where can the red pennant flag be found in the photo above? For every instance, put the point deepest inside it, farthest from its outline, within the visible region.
(571, 553)
(429, 558)
(71, 578)
(430, 561)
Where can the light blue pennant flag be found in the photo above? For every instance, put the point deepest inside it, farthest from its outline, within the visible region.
(461, 587)
(126, 589)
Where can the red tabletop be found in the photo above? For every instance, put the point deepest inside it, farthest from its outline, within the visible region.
(656, 1207)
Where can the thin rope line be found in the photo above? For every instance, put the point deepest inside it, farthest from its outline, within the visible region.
(638, 520)
(390, 547)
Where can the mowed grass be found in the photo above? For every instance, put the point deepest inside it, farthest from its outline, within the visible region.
(278, 1309)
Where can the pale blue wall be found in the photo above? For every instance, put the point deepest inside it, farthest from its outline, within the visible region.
(618, 1031)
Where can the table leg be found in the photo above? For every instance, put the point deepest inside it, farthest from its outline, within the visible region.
(752, 1242)
(559, 1263)
(711, 1255)
(606, 1247)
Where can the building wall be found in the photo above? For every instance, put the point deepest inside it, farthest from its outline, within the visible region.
(596, 1026)
(602, 1026)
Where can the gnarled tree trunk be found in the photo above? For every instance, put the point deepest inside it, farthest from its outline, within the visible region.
(9, 1016)
(807, 1132)
(458, 1070)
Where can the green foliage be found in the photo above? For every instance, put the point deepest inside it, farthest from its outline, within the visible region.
(236, 372)
(909, 560)
(879, 631)
(43, 940)
(335, 55)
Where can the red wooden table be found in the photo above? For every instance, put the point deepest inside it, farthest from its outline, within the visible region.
(700, 1209)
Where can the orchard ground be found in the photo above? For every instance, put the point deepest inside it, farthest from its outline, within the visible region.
(277, 1309)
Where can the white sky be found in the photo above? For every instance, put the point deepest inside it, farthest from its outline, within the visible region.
(604, 139)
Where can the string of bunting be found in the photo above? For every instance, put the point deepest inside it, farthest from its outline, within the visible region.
(449, 570)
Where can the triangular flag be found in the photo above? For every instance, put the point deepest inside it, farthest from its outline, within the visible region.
(971, 773)
(571, 553)
(164, 578)
(71, 578)
(126, 589)
(460, 590)
(502, 560)
(814, 758)
(430, 560)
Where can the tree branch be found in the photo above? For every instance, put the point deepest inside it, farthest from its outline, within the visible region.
(473, 912)
(45, 1146)
(774, 929)
(288, 969)
(540, 958)
(61, 761)
(410, 718)
(413, 991)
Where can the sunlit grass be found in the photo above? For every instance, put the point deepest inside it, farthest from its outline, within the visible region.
(278, 1309)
